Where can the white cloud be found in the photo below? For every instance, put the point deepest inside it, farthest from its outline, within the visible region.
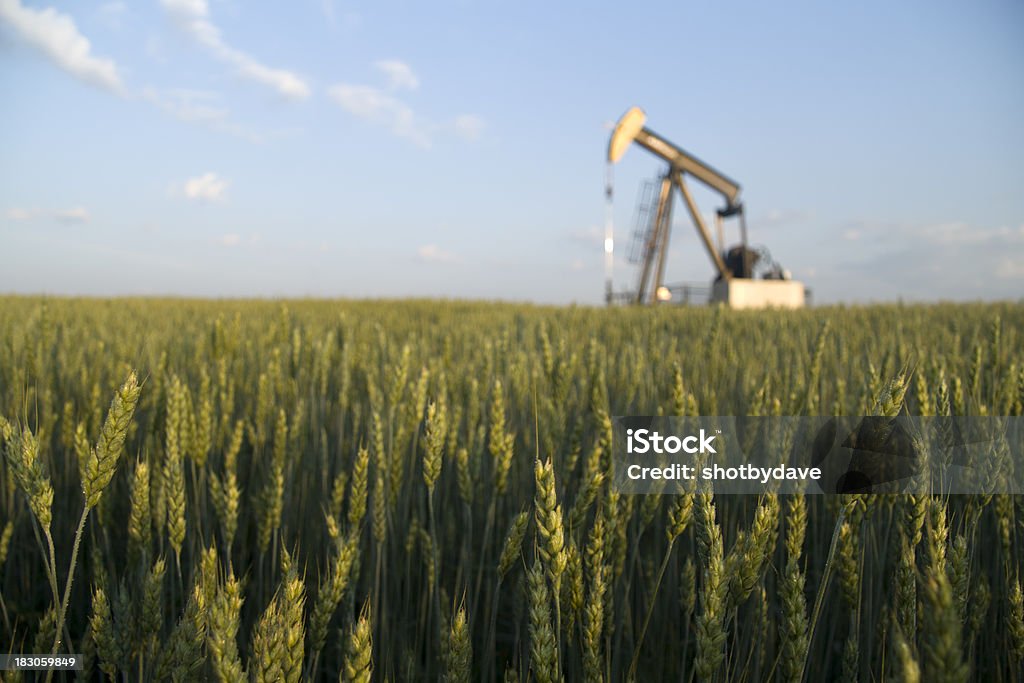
(207, 187)
(431, 253)
(193, 16)
(365, 101)
(230, 240)
(380, 106)
(191, 106)
(924, 261)
(56, 36)
(469, 126)
(949, 234)
(1010, 269)
(399, 74)
(373, 105)
(77, 214)
(18, 214)
(199, 107)
(591, 236)
(962, 233)
(784, 217)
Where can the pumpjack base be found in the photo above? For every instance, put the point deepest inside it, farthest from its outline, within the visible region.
(745, 293)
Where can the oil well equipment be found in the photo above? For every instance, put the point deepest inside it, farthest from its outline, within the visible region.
(745, 276)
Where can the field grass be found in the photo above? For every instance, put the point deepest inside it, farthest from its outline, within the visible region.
(359, 491)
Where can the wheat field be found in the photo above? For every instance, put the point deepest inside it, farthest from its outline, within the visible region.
(411, 490)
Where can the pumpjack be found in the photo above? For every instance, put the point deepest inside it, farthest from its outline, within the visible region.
(745, 277)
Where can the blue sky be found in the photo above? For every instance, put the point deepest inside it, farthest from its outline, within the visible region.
(456, 149)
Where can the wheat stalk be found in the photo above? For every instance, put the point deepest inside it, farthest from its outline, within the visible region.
(543, 649)
(358, 652)
(459, 654)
